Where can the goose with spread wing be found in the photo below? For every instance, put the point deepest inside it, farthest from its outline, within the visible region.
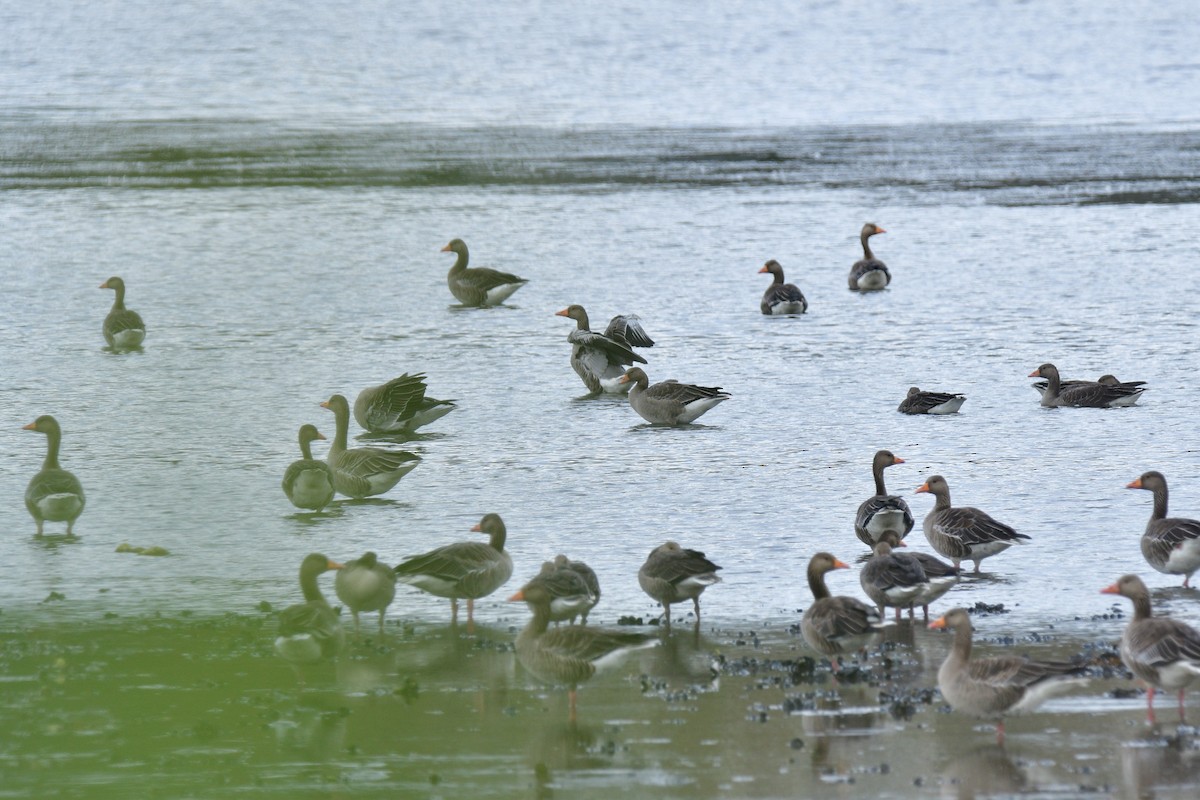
(399, 406)
(599, 359)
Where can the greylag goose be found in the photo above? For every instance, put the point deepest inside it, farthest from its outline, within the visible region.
(569, 655)
(599, 359)
(362, 471)
(670, 402)
(1170, 544)
(570, 595)
(53, 494)
(882, 511)
(468, 570)
(905, 580)
(1110, 380)
(478, 286)
(834, 625)
(869, 272)
(308, 482)
(123, 328)
(919, 402)
(310, 631)
(1162, 652)
(963, 533)
(672, 574)
(992, 688)
(589, 578)
(366, 585)
(398, 406)
(1085, 394)
(781, 298)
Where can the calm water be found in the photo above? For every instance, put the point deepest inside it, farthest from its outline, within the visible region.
(274, 183)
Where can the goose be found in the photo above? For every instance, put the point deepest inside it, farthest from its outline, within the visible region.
(916, 579)
(1164, 653)
(834, 625)
(589, 578)
(670, 402)
(53, 494)
(599, 359)
(1084, 394)
(570, 595)
(1170, 544)
(398, 406)
(308, 482)
(672, 574)
(1109, 379)
(963, 533)
(366, 585)
(123, 328)
(869, 273)
(882, 511)
(310, 631)
(362, 471)
(781, 298)
(467, 570)
(478, 286)
(992, 688)
(921, 402)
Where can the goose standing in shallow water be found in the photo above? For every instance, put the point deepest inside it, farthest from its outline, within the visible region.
(1170, 544)
(53, 494)
(672, 574)
(570, 595)
(310, 631)
(781, 298)
(400, 405)
(599, 359)
(882, 511)
(366, 585)
(905, 580)
(308, 482)
(1084, 394)
(834, 625)
(478, 286)
(123, 328)
(869, 273)
(362, 471)
(963, 533)
(670, 402)
(919, 402)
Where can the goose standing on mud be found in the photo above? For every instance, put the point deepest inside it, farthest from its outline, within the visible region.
(366, 585)
(835, 625)
(670, 402)
(672, 574)
(963, 533)
(478, 286)
(869, 273)
(599, 359)
(310, 631)
(781, 298)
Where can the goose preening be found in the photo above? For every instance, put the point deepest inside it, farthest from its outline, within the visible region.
(478, 286)
(869, 273)
(995, 687)
(672, 574)
(366, 585)
(882, 511)
(308, 482)
(904, 579)
(781, 298)
(1111, 380)
(466, 570)
(834, 625)
(362, 471)
(670, 402)
(1085, 394)
(310, 631)
(1164, 653)
(599, 359)
(123, 328)
(590, 581)
(53, 494)
(921, 402)
(570, 595)
(1170, 544)
(962, 533)
(399, 406)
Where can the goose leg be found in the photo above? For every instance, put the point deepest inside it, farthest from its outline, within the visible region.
(381, 624)
(696, 604)
(1150, 706)
(39, 524)
(454, 611)
(571, 715)
(470, 615)
(1181, 713)
(1000, 733)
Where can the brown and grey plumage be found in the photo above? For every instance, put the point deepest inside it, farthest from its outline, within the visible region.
(670, 402)
(362, 471)
(834, 625)
(882, 511)
(781, 298)
(992, 688)
(466, 570)
(1085, 394)
(308, 482)
(366, 585)
(310, 631)
(400, 405)
(589, 578)
(921, 402)
(1111, 380)
(53, 494)
(599, 359)
(570, 595)
(1170, 544)
(1162, 652)
(672, 574)
(123, 328)
(963, 533)
(478, 286)
(904, 579)
(869, 272)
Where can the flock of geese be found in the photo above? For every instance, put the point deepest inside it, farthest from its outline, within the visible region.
(1162, 652)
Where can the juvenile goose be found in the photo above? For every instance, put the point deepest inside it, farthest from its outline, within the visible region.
(366, 585)
(919, 402)
(992, 688)
(310, 631)
(308, 482)
(599, 359)
(570, 595)
(53, 494)
(123, 328)
(781, 298)
(1085, 394)
(882, 511)
(670, 402)
(362, 471)
(834, 625)
(869, 272)
(963, 533)
(467, 570)
(478, 286)
(400, 405)
(672, 574)
(1170, 544)
(1162, 652)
